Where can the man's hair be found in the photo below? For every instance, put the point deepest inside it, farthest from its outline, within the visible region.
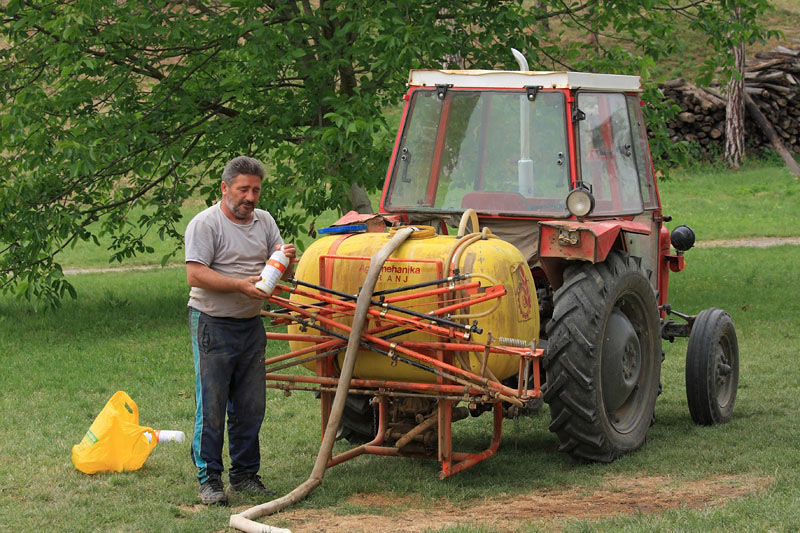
(242, 165)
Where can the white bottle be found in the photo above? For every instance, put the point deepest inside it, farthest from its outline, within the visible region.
(169, 435)
(273, 270)
(165, 435)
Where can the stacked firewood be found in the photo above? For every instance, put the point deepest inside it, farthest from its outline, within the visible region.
(772, 82)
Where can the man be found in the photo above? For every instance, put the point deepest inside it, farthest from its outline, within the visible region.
(227, 245)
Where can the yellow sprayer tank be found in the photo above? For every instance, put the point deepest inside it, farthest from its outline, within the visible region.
(341, 262)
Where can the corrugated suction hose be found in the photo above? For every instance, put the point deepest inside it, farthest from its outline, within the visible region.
(244, 521)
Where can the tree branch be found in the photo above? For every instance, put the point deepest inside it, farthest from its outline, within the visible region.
(141, 192)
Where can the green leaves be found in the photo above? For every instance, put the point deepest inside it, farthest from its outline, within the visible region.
(107, 105)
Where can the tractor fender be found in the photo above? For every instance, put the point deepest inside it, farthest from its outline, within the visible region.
(564, 241)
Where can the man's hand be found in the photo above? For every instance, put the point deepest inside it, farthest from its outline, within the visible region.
(288, 249)
(248, 288)
(291, 252)
(199, 275)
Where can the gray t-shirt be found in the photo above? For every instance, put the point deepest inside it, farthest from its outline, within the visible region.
(236, 250)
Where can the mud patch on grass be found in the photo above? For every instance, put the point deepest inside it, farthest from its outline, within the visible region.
(618, 495)
(191, 509)
(755, 242)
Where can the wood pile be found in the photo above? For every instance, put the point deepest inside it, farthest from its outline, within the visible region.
(772, 81)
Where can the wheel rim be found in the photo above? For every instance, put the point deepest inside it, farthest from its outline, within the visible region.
(625, 363)
(723, 375)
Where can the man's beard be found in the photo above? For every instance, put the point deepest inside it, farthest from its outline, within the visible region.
(240, 213)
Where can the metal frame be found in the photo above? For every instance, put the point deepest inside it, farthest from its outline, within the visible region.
(453, 384)
(506, 79)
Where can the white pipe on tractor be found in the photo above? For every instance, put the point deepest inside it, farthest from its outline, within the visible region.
(244, 521)
(525, 164)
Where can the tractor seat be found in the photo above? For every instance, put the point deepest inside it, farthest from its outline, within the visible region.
(497, 202)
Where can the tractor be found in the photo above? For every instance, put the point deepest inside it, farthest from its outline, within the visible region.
(531, 265)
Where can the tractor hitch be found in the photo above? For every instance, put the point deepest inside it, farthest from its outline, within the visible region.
(671, 329)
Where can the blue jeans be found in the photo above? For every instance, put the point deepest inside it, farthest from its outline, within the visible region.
(229, 377)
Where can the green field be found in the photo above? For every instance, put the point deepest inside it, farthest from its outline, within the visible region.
(127, 331)
(756, 201)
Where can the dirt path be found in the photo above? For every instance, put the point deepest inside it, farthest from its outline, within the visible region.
(759, 242)
(548, 509)
(68, 271)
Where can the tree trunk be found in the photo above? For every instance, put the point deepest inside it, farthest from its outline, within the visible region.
(359, 199)
(450, 61)
(734, 111)
(542, 7)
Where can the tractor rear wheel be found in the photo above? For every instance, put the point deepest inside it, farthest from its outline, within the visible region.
(603, 359)
(712, 367)
(359, 422)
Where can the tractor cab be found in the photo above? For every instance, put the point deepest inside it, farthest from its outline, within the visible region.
(542, 157)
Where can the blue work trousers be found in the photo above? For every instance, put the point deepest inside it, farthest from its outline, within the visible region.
(229, 377)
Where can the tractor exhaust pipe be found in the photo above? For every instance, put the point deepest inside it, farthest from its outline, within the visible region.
(244, 521)
(523, 63)
(525, 164)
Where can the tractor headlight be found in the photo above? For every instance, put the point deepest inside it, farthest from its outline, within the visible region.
(580, 201)
(682, 238)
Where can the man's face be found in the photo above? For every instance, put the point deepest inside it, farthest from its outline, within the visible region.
(241, 196)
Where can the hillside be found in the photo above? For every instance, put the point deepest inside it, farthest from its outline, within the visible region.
(785, 17)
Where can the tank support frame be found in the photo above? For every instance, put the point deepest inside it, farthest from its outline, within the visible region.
(453, 384)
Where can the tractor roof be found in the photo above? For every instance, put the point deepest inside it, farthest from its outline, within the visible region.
(514, 79)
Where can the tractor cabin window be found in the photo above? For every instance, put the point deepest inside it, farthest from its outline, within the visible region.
(641, 152)
(498, 152)
(608, 160)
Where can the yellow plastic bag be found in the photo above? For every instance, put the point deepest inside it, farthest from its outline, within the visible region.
(115, 441)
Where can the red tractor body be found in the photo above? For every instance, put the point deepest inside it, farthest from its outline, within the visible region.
(556, 164)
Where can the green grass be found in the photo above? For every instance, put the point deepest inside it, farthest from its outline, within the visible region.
(86, 255)
(127, 331)
(89, 255)
(757, 201)
(760, 200)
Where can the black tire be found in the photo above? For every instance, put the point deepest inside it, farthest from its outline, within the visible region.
(359, 422)
(712, 367)
(603, 359)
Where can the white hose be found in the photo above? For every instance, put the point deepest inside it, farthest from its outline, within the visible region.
(244, 521)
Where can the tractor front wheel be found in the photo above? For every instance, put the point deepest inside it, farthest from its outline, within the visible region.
(603, 359)
(712, 367)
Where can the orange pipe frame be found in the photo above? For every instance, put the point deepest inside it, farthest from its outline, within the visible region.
(467, 287)
(416, 323)
(392, 346)
(389, 385)
(402, 346)
(376, 442)
(435, 292)
(322, 346)
(452, 462)
(478, 391)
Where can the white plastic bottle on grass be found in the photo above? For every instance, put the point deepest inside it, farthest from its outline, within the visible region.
(273, 270)
(166, 435)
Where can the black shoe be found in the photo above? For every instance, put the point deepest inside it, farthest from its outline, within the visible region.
(250, 483)
(212, 491)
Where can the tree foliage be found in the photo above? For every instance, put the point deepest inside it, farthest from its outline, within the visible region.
(108, 105)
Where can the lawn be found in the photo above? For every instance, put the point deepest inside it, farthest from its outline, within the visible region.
(701, 198)
(757, 201)
(127, 331)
